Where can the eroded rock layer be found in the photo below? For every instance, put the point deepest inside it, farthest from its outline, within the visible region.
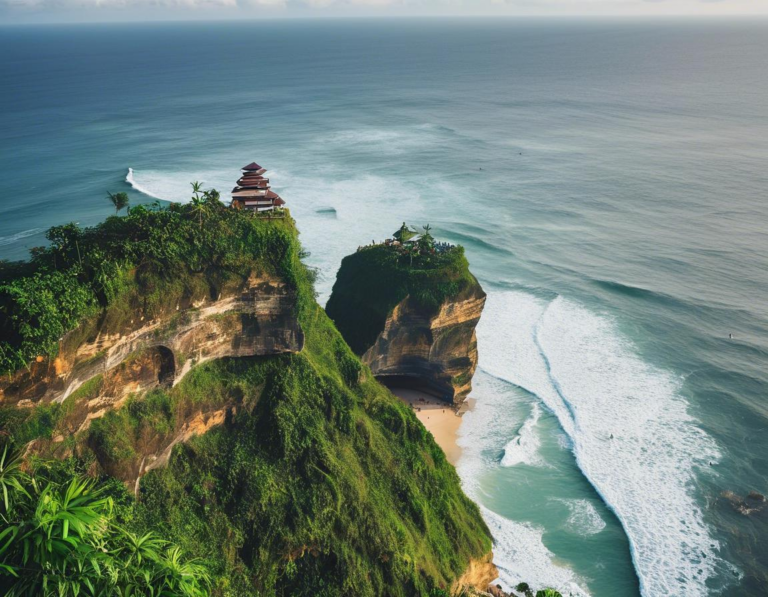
(258, 318)
(436, 353)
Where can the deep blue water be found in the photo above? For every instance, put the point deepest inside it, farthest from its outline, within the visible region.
(607, 178)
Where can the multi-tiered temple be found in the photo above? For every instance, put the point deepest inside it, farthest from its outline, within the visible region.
(253, 192)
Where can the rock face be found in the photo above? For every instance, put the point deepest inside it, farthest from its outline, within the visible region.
(477, 577)
(257, 318)
(434, 353)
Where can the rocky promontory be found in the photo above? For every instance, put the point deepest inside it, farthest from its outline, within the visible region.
(177, 358)
(412, 321)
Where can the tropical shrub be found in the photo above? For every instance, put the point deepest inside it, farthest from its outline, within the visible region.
(63, 539)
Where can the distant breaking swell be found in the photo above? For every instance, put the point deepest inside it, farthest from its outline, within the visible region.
(136, 186)
(592, 379)
(9, 240)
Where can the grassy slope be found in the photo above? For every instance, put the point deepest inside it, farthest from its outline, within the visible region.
(328, 487)
(325, 484)
(371, 282)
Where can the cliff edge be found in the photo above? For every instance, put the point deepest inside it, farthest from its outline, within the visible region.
(412, 321)
(180, 350)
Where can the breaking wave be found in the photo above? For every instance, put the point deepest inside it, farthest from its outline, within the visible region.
(9, 240)
(524, 447)
(519, 551)
(521, 556)
(583, 519)
(630, 429)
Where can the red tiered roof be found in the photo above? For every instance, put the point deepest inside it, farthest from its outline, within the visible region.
(260, 183)
(253, 192)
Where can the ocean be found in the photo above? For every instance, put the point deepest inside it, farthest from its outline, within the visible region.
(608, 179)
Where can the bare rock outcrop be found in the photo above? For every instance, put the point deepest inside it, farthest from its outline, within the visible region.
(256, 319)
(101, 363)
(435, 353)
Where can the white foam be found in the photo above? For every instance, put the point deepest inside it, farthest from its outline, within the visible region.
(365, 207)
(524, 447)
(176, 186)
(584, 519)
(9, 240)
(521, 556)
(594, 382)
(519, 551)
(384, 141)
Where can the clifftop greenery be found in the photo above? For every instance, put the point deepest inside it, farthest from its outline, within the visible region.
(319, 483)
(372, 281)
(152, 250)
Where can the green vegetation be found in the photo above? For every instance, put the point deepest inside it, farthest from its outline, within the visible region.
(371, 282)
(319, 483)
(119, 200)
(61, 535)
(322, 483)
(142, 263)
(528, 592)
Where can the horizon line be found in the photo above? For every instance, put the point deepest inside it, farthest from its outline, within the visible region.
(207, 18)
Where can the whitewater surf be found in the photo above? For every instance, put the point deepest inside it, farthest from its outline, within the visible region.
(629, 428)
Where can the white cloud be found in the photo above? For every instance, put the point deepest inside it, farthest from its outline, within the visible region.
(149, 9)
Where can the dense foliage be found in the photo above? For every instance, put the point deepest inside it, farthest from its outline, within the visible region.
(319, 483)
(372, 281)
(153, 252)
(322, 484)
(60, 536)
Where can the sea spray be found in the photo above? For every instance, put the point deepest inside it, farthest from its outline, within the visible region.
(630, 429)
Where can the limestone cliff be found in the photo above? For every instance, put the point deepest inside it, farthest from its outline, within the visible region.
(256, 319)
(109, 358)
(437, 353)
(285, 474)
(411, 324)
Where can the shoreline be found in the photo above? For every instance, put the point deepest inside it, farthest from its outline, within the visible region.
(438, 417)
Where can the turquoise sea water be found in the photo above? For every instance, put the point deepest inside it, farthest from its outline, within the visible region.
(607, 178)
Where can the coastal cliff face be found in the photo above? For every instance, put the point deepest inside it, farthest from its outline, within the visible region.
(437, 353)
(257, 319)
(109, 360)
(192, 363)
(412, 325)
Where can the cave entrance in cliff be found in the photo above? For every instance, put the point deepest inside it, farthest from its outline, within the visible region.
(165, 365)
(413, 382)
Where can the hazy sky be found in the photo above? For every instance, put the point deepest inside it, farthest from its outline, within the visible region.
(15, 11)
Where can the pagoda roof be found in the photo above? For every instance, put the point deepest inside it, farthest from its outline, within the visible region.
(258, 184)
(243, 191)
(253, 166)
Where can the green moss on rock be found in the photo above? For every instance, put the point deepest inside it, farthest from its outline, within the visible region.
(371, 282)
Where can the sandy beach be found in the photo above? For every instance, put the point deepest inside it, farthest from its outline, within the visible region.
(439, 419)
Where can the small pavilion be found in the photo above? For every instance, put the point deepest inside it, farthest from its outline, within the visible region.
(253, 192)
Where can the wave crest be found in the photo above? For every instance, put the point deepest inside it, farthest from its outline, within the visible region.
(630, 429)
